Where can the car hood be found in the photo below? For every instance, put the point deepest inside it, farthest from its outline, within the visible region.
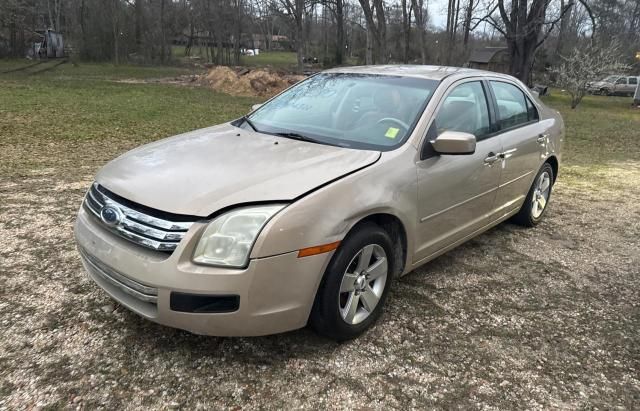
(203, 171)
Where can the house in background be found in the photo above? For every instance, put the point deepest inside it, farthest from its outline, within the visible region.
(269, 42)
(490, 58)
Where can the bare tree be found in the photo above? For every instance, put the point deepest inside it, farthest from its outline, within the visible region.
(585, 65)
(296, 10)
(374, 13)
(453, 12)
(406, 30)
(525, 26)
(339, 12)
(421, 23)
(53, 9)
(115, 29)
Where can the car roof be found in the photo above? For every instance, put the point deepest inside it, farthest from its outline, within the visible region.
(420, 71)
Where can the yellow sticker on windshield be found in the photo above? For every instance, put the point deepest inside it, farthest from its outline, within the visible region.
(392, 132)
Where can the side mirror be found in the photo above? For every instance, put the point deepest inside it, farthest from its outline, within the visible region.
(256, 106)
(454, 142)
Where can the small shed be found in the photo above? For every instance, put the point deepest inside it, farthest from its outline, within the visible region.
(490, 58)
(51, 46)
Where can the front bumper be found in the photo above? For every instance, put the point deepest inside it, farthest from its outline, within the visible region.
(275, 293)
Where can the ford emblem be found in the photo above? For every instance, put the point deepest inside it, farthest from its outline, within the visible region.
(111, 216)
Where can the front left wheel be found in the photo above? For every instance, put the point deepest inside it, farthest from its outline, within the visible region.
(355, 284)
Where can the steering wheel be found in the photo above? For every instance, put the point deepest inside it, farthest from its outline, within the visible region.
(395, 121)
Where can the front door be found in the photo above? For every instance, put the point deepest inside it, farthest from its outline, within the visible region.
(620, 86)
(456, 193)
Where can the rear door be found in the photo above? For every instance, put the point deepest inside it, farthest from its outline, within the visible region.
(524, 139)
(456, 193)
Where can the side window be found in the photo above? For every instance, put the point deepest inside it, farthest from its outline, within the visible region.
(633, 80)
(621, 80)
(465, 109)
(512, 104)
(532, 111)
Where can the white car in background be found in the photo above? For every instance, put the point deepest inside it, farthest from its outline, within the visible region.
(615, 85)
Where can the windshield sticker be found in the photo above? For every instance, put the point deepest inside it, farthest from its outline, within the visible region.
(392, 132)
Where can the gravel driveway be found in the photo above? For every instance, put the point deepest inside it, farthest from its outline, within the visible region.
(516, 318)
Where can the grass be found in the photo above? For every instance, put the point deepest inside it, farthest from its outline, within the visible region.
(87, 102)
(600, 130)
(602, 143)
(277, 59)
(270, 58)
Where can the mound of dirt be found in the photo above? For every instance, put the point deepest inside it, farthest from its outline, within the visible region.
(244, 82)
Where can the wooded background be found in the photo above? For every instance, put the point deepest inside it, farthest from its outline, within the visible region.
(536, 32)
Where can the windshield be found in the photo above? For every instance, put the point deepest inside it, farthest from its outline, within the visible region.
(345, 109)
(610, 79)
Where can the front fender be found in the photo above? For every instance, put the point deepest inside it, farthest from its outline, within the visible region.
(327, 214)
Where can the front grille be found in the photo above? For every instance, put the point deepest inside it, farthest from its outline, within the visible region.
(142, 228)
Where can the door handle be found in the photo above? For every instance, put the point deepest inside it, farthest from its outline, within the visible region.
(507, 153)
(491, 158)
(542, 138)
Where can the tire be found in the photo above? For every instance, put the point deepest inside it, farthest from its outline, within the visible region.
(530, 213)
(344, 282)
(604, 92)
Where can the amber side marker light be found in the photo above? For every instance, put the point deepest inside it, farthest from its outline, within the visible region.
(319, 249)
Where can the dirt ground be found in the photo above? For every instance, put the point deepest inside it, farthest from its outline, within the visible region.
(248, 82)
(516, 318)
(234, 81)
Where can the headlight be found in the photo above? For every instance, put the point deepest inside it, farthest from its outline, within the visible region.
(228, 239)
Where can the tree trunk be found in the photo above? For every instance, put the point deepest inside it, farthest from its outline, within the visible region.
(418, 8)
(115, 27)
(13, 35)
(163, 39)
(562, 33)
(467, 24)
(522, 29)
(381, 38)
(236, 42)
(299, 13)
(83, 28)
(406, 31)
(54, 14)
(187, 49)
(138, 21)
(376, 29)
(339, 32)
(368, 58)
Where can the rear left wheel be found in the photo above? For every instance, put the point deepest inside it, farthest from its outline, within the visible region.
(537, 199)
(355, 284)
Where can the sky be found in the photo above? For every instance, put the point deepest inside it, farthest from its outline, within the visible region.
(437, 12)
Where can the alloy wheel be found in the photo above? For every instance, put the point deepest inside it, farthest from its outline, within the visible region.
(363, 284)
(540, 194)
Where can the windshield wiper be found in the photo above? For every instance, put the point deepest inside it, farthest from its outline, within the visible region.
(246, 120)
(298, 136)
